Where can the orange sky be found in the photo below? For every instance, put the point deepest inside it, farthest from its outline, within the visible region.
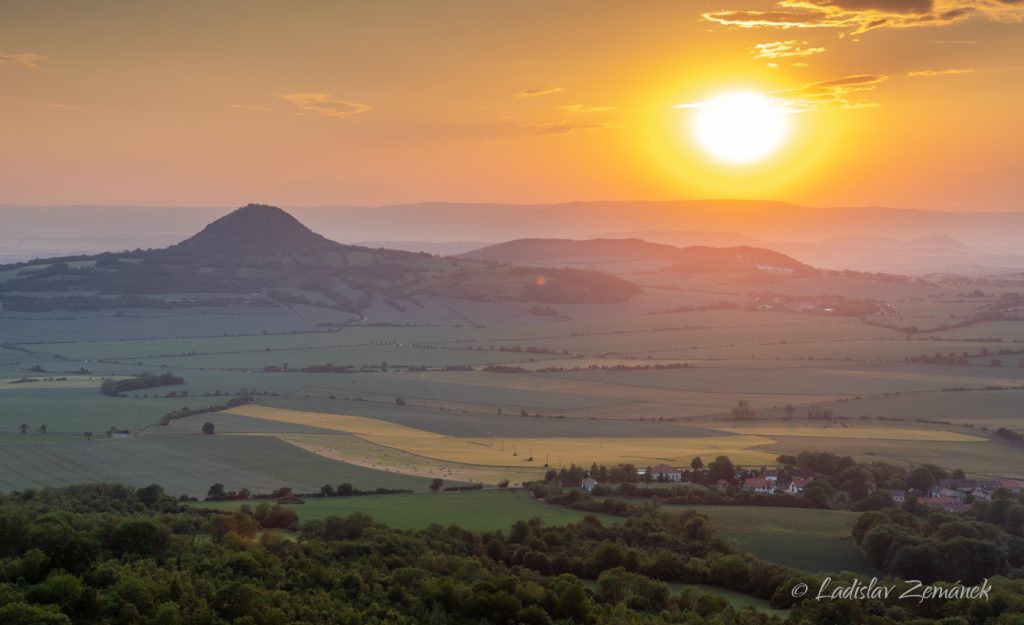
(907, 103)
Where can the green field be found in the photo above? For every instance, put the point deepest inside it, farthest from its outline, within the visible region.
(477, 511)
(806, 539)
(769, 359)
(185, 464)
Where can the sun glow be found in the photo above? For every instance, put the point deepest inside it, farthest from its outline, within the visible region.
(741, 127)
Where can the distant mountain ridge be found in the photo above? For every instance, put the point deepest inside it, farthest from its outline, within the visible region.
(693, 259)
(260, 249)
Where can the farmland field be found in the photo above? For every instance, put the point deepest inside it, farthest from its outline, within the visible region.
(615, 399)
(810, 540)
(479, 511)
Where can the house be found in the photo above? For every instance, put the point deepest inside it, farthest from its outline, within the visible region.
(721, 486)
(898, 496)
(804, 473)
(955, 495)
(945, 503)
(772, 475)
(588, 484)
(797, 485)
(665, 473)
(1014, 486)
(757, 485)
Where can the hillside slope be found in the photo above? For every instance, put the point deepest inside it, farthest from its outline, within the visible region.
(261, 254)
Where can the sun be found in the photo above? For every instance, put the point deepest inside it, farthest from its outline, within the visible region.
(741, 127)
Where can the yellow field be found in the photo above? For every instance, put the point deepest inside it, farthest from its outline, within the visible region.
(855, 432)
(355, 450)
(362, 426)
(516, 452)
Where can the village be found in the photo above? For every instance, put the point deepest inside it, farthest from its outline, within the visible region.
(951, 495)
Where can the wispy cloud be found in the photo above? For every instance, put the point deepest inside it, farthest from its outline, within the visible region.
(324, 104)
(60, 106)
(847, 92)
(530, 93)
(250, 107)
(942, 72)
(566, 127)
(859, 16)
(581, 108)
(784, 49)
(28, 60)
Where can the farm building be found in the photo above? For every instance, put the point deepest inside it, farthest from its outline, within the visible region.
(758, 485)
(797, 485)
(588, 484)
(665, 473)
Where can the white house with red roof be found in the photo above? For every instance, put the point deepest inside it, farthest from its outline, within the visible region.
(758, 485)
(797, 485)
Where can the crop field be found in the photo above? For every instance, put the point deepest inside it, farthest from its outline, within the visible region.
(76, 409)
(479, 426)
(981, 407)
(478, 511)
(185, 464)
(810, 540)
(856, 431)
(515, 452)
(361, 452)
(988, 458)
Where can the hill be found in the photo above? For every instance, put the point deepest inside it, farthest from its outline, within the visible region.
(259, 255)
(686, 260)
(743, 259)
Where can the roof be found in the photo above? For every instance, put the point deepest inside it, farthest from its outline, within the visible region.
(589, 480)
(756, 482)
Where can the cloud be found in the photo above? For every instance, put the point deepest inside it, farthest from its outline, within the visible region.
(580, 108)
(250, 107)
(783, 49)
(942, 72)
(564, 127)
(28, 60)
(529, 93)
(859, 16)
(845, 92)
(324, 104)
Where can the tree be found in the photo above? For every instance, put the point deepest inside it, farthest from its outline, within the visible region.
(208, 428)
(42, 429)
(743, 411)
(400, 401)
(721, 468)
(327, 490)
(921, 479)
(436, 485)
(345, 490)
(150, 494)
(789, 409)
(23, 428)
(697, 464)
(216, 492)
